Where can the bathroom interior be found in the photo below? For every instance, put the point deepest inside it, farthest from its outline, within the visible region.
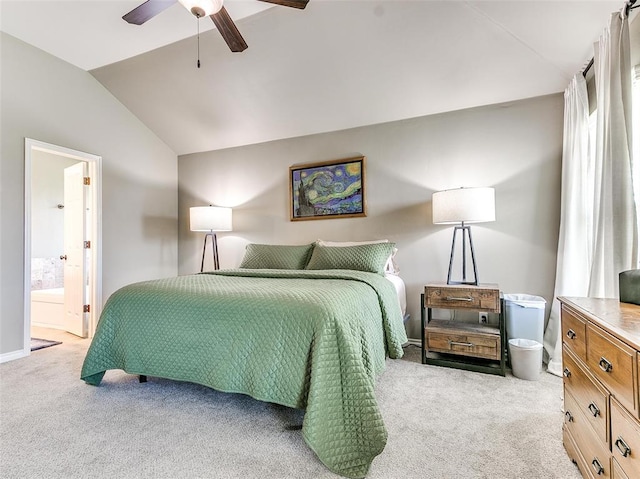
(47, 246)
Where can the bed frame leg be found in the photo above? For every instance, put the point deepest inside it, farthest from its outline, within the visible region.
(143, 378)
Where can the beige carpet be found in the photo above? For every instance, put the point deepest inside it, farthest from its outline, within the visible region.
(442, 423)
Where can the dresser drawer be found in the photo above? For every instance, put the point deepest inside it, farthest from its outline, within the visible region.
(616, 470)
(573, 452)
(625, 439)
(592, 399)
(455, 297)
(574, 332)
(595, 454)
(463, 343)
(614, 364)
(601, 339)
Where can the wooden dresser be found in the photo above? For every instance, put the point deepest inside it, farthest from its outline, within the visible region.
(601, 360)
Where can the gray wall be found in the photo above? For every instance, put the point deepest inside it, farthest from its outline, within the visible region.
(514, 147)
(47, 99)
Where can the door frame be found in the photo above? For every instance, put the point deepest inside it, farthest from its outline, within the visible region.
(94, 164)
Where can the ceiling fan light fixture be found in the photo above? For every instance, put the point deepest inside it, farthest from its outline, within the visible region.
(202, 8)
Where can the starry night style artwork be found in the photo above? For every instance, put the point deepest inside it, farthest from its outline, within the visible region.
(332, 189)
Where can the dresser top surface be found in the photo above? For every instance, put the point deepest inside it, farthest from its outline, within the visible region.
(620, 319)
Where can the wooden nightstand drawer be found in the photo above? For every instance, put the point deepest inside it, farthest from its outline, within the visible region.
(475, 341)
(625, 439)
(574, 332)
(591, 398)
(613, 363)
(479, 298)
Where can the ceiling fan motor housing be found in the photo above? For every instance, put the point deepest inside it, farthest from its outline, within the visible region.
(198, 12)
(202, 8)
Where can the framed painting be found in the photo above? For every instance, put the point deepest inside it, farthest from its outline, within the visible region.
(330, 189)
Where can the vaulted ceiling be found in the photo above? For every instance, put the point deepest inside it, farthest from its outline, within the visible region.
(335, 65)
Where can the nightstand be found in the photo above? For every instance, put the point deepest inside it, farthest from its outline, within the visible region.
(460, 344)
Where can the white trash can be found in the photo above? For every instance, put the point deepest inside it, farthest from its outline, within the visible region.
(524, 315)
(526, 358)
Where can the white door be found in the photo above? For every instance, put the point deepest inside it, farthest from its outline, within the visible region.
(75, 264)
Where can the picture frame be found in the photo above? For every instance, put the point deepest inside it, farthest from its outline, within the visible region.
(328, 189)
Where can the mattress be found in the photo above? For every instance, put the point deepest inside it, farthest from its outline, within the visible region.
(401, 291)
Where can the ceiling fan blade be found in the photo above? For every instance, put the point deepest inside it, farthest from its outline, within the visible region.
(228, 30)
(289, 3)
(147, 10)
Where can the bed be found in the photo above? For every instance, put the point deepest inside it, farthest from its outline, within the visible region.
(308, 338)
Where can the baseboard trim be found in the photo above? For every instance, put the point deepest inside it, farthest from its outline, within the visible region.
(21, 353)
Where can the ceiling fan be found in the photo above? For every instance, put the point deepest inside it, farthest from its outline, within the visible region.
(202, 8)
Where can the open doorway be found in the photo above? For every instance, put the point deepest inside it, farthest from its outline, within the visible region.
(62, 242)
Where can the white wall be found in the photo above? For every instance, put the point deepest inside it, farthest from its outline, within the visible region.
(515, 147)
(47, 99)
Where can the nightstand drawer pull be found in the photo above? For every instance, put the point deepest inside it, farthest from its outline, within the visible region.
(605, 365)
(571, 334)
(622, 447)
(597, 466)
(458, 343)
(456, 298)
(594, 410)
(568, 416)
(566, 373)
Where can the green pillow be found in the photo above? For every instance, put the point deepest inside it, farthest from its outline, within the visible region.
(270, 256)
(365, 257)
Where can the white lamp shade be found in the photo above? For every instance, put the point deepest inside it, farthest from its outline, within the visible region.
(210, 218)
(468, 205)
(208, 6)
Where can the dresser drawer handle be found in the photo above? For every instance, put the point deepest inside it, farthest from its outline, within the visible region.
(622, 447)
(568, 416)
(571, 334)
(594, 410)
(566, 373)
(597, 466)
(605, 365)
(458, 343)
(456, 298)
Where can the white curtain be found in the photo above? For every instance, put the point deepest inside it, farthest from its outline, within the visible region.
(598, 225)
(616, 229)
(574, 248)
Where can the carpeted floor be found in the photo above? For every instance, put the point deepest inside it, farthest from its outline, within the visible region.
(442, 423)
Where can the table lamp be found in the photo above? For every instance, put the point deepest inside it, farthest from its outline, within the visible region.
(210, 219)
(463, 205)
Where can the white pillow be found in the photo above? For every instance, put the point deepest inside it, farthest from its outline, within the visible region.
(391, 266)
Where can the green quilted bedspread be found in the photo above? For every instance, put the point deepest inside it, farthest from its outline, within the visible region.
(313, 340)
